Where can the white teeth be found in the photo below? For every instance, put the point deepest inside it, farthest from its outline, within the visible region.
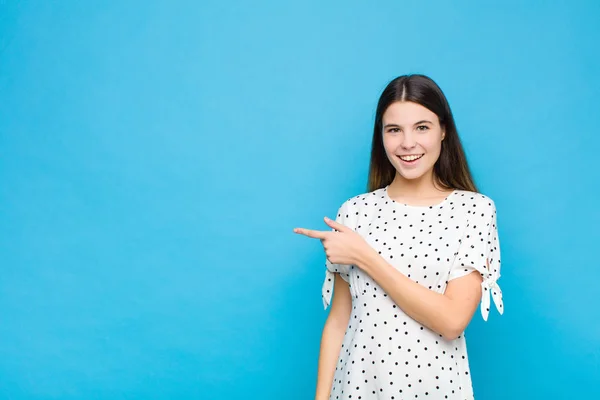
(410, 158)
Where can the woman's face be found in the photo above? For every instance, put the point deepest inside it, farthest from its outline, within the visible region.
(412, 138)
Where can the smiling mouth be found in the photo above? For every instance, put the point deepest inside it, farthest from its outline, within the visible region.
(411, 158)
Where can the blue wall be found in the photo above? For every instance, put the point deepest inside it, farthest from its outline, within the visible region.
(155, 157)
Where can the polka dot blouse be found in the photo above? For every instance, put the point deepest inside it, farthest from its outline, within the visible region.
(385, 353)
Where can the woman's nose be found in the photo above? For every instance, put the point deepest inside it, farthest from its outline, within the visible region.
(408, 143)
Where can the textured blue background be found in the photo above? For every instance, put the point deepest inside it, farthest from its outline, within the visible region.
(155, 157)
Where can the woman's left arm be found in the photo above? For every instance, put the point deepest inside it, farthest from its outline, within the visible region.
(447, 314)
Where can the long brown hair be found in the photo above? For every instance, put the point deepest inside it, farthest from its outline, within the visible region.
(451, 170)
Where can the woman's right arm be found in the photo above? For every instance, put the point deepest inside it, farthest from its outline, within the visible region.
(333, 336)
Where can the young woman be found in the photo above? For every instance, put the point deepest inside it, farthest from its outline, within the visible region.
(409, 261)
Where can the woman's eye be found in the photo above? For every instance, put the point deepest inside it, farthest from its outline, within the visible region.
(422, 126)
(394, 130)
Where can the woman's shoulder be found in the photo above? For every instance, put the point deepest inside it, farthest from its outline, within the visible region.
(474, 196)
(364, 199)
(477, 203)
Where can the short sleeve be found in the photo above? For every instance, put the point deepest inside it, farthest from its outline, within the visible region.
(478, 245)
(330, 269)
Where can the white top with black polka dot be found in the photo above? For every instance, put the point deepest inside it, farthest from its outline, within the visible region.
(385, 353)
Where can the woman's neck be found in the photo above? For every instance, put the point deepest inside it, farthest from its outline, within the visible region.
(402, 188)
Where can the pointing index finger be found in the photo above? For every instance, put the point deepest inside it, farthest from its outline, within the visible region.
(311, 233)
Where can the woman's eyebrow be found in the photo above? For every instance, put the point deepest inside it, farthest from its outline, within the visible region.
(416, 123)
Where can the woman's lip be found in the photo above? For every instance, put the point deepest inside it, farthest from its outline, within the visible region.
(410, 163)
